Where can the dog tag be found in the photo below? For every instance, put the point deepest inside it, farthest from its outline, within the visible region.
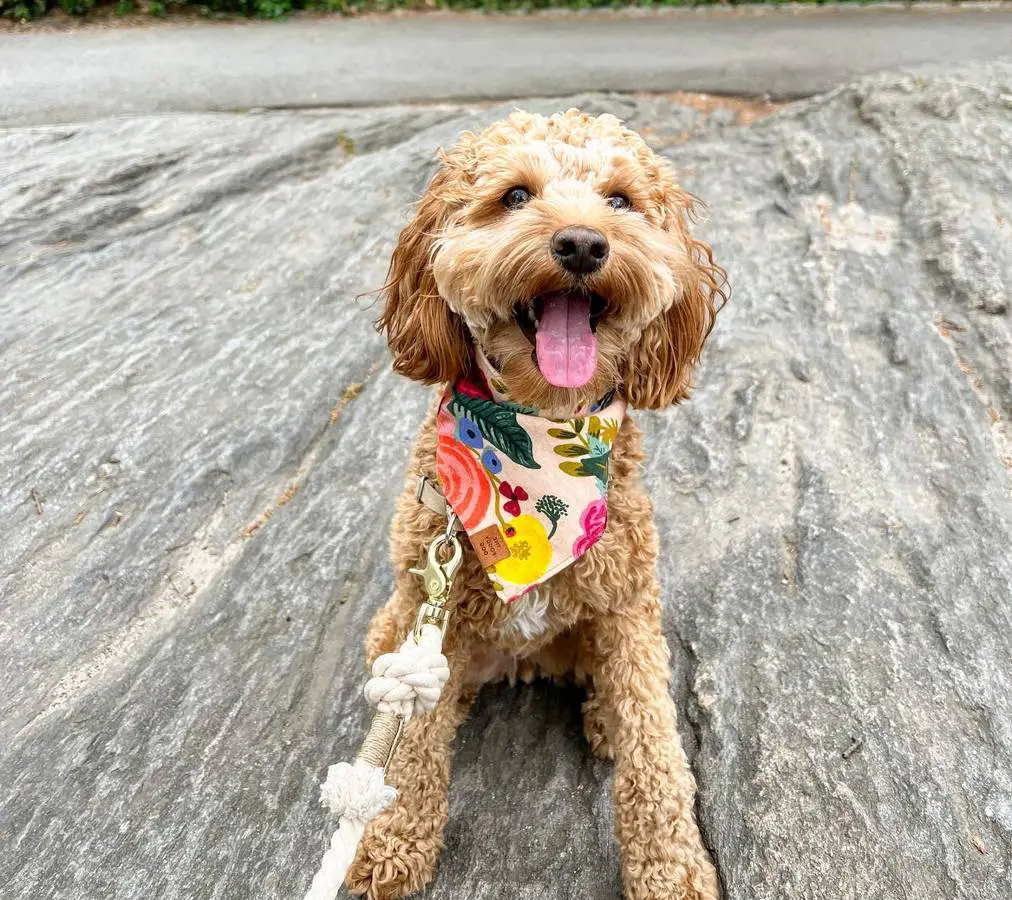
(490, 546)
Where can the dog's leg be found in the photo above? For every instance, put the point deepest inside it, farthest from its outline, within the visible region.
(663, 857)
(401, 847)
(595, 725)
(388, 627)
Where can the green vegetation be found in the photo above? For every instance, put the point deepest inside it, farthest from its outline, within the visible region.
(278, 9)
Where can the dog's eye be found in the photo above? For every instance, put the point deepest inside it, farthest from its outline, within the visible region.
(516, 197)
(619, 201)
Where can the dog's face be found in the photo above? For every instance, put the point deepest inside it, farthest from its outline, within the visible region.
(560, 247)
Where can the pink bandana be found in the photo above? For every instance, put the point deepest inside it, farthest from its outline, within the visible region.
(530, 491)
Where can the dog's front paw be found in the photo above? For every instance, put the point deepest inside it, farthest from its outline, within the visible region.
(395, 859)
(676, 873)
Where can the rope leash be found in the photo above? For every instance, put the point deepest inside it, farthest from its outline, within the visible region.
(404, 684)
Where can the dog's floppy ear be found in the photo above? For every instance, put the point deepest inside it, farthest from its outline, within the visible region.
(658, 370)
(428, 340)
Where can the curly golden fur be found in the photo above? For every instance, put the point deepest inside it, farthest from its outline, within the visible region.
(460, 267)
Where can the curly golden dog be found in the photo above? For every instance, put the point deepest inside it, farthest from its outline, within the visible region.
(574, 213)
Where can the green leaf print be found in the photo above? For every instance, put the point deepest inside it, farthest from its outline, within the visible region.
(498, 426)
(589, 467)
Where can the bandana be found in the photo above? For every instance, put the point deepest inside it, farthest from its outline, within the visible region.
(529, 489)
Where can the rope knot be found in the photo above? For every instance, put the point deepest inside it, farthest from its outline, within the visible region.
(408, 682)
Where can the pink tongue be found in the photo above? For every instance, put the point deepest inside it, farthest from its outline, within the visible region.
(567, 348)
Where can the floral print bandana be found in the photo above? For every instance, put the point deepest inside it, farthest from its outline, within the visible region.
(530, 490)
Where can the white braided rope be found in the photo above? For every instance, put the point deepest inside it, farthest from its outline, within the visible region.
(357, 794)
(336, 861)
(407, 683)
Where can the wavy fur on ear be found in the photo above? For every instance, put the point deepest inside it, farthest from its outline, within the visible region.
(658, 370)
(428, 340)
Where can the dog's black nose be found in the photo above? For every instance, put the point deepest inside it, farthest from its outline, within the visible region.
(579, 249)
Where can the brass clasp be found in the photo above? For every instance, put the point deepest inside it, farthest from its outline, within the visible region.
(437, 578)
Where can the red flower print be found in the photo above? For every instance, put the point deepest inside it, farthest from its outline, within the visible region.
(473, 389)
(445, 423)
(593, 521)
(463, 480)
(514, 496)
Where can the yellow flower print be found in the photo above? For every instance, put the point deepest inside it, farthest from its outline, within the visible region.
(530, 552)
(609, 432)
(605, 431)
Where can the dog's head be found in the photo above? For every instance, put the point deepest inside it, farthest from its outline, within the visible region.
(560, 246)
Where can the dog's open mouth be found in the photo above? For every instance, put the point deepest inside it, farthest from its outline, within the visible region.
(561, 326)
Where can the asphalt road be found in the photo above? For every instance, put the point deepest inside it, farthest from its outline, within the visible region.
(93, 73)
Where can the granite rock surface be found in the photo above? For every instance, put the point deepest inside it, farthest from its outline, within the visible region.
(202, 441)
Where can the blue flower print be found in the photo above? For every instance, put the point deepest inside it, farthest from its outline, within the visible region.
(469, 434)
(491, 462)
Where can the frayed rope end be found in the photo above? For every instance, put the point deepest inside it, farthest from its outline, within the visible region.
(356, 790)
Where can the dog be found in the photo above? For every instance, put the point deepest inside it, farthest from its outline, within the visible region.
(548, 270)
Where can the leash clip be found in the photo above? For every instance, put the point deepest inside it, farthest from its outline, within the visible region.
(437, 578)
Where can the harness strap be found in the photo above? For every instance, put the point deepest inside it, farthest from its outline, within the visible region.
(429, 495)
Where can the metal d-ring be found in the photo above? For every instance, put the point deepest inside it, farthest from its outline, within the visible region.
(451, 527)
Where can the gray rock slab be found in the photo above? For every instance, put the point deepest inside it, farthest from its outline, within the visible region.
(790, 52)
(201, 444)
